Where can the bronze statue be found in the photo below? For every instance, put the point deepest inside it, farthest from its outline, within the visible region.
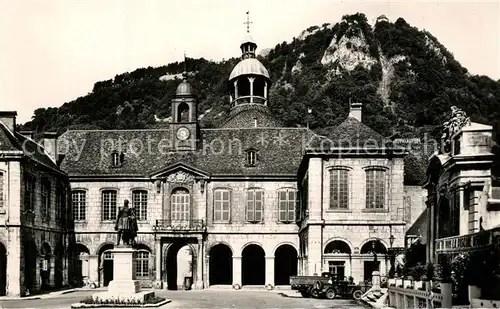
(126, 225)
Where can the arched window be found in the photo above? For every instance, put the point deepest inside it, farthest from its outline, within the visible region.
(373, 246)
(375, 188)
(339, 188)
(142, 264)
(140, 203)
(108, 201)
(183, 112)
(180, 201)
(337, 246)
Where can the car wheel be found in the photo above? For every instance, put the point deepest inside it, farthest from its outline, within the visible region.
(318, 285)
(314, 293)
(330, 294)
(357, 294)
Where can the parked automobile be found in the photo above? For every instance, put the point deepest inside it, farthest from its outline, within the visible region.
(327, 285)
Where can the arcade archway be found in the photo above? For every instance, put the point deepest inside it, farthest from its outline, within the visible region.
(106, 264)
(179, 264)
(285, 264)
(253, 265)
(221, 265)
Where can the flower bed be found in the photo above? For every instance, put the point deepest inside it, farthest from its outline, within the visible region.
(98, 302)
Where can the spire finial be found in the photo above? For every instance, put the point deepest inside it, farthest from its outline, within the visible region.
(248, 22)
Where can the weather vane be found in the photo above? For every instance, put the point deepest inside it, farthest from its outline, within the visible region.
(184, 75)
(248, 22)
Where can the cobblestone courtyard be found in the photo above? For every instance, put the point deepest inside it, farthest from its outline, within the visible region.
(200, 299)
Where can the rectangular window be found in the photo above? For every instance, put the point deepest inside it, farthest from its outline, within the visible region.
(29, 192)
(337, 267)
(222, 205)
(287, 200)
(140, 203)
(375, 189)
(58, 202)
(339, 189)
(45, 209)
(78, 199)
(142, 265)
(108, 205)
(255, 204)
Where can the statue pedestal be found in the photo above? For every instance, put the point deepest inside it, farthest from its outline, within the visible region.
(123, 272)
(124, 287)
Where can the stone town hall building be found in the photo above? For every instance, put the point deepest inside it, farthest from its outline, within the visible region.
(255, 201)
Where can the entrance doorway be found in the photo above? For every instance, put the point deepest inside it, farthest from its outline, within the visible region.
(179, 265)
(253, 265)
(285, 264)
(221, 265)
(30, 254)
(370, 267)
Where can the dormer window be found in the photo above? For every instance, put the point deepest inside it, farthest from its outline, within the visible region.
(116, 159)
(251, 157)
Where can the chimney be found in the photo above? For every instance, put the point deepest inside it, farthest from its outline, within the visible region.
(9, 120)
(49, 143)
(355, 111)
(28, 134)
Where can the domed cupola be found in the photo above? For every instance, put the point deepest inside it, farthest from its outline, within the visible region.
(249, 81)
(184, 88)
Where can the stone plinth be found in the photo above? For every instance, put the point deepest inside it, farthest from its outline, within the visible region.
(123, 282)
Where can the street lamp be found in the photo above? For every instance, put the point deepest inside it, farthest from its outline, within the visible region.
(391, 242)
(375, 261)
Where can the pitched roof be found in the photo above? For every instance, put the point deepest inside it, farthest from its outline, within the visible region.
(416, 161)
(351, 133)
(221, 151)
(419, 227)
(245, 116)
(10, 141)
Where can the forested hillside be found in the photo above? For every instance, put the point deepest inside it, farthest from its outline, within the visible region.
(405, 78)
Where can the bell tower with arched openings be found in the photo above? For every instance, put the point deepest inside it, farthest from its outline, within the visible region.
(184, 124)
(249, 82)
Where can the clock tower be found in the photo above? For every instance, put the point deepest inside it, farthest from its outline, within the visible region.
(184, 124)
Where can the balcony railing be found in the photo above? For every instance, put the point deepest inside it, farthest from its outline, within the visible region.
(180, 225)
(469, 242)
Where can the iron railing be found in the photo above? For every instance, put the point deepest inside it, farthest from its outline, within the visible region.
(180, 225)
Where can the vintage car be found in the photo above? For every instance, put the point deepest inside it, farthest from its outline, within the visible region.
(327, 285)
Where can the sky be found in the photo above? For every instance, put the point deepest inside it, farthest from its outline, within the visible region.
(52, 51)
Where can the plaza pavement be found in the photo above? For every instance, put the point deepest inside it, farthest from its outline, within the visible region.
(208, 298)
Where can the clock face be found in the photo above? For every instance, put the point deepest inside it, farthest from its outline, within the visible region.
(183, 134)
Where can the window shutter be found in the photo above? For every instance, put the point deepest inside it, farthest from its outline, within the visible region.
(250, 206)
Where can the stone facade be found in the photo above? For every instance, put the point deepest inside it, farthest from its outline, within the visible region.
(355, 225)
(37, 239)
(250, 199)
(461, 193)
